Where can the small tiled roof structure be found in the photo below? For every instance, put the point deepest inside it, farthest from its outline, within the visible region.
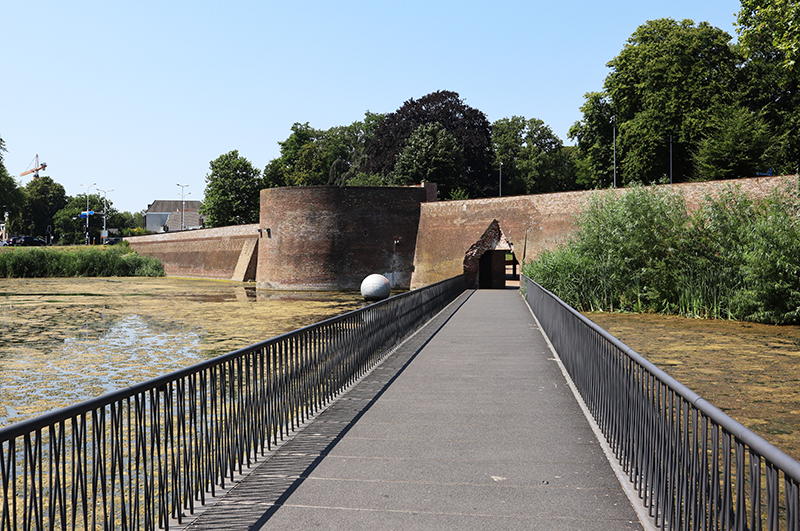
(165, 216)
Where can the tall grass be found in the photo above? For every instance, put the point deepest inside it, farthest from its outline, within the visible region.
(734, 258)
(38, 262)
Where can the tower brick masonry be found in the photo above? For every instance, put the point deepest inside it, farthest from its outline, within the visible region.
(331, 238)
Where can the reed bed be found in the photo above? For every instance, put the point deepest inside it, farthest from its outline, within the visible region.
(43, 262)
(642, 251)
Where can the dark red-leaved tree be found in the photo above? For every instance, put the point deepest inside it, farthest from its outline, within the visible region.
(469, 127)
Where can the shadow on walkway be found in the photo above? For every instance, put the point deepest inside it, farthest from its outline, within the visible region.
(468, 425)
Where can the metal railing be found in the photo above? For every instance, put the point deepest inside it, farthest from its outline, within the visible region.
(145, 456)
(693, 466)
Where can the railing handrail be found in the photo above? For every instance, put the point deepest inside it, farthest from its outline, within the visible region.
(146, 455)
(687, 458)
(766, 449)
(67, 412)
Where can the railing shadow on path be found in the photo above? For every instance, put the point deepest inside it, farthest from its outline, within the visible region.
(154, 454)
(273, 483)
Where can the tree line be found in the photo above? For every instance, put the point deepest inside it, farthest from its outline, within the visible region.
(682, 102)
(436, 138)
(43, 209)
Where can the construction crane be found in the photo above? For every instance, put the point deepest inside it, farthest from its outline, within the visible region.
(35, 171)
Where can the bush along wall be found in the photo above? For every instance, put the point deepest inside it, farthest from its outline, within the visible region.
(117, 261)
(732, 258)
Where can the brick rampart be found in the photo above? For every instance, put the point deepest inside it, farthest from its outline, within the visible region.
(531, 223)
(204, 253)
(331, 238)
(320, 237)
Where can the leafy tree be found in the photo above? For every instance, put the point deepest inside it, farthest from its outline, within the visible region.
(532, 156)
(468, 126)
(350, 143)
(595, 137)
(11, 196)
(314, 157)
(233, 191)
(666, 83)
(70, 228)
(431, 154)
(770, 85)
(365, 179)
(296, 165)
(737, 145)
(128, 220)
(43, 198)
(776, 23)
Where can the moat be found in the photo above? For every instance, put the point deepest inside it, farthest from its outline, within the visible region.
(66, 340)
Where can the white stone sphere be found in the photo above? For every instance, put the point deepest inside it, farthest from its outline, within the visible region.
(375, 288)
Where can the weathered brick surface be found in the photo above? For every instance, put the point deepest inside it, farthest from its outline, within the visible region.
(321, 237)
(331, 238)
(531, 223)
(204, 253)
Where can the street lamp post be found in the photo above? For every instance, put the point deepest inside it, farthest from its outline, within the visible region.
(614, 124)
(670, 159)
(183, 205)
(664, 138)
(501, 180)
(105, 211)
(87, 210)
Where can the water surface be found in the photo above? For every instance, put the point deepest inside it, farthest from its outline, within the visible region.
(66, 340)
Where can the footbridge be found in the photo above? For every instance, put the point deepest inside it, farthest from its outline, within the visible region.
(442, 408)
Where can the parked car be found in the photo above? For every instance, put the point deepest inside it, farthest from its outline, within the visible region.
(29, 241)
(12, 241)
(112, 241)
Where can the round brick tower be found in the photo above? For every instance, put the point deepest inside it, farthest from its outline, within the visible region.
(331, 237)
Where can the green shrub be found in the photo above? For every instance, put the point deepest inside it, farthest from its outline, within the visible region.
(640, 251)
(117, 261)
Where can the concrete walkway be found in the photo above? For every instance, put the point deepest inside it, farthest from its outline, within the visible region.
(469, 425)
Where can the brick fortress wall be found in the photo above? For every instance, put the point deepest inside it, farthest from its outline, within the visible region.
(531, 224)
(331, 238)
(203, 253)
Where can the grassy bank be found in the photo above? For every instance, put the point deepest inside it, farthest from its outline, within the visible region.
(641, 251)
(92, 261)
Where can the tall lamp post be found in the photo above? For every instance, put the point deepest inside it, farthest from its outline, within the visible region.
(670, 159)
(614, 124)
(105, 212)
(87, 210)
(501, 180)
(183, 204)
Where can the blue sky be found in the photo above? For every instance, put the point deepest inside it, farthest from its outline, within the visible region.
(140, 96)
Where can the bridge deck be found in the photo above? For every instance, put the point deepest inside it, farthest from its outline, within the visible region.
(469, 425)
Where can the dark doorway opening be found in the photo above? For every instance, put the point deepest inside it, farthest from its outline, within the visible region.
(492, 270)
